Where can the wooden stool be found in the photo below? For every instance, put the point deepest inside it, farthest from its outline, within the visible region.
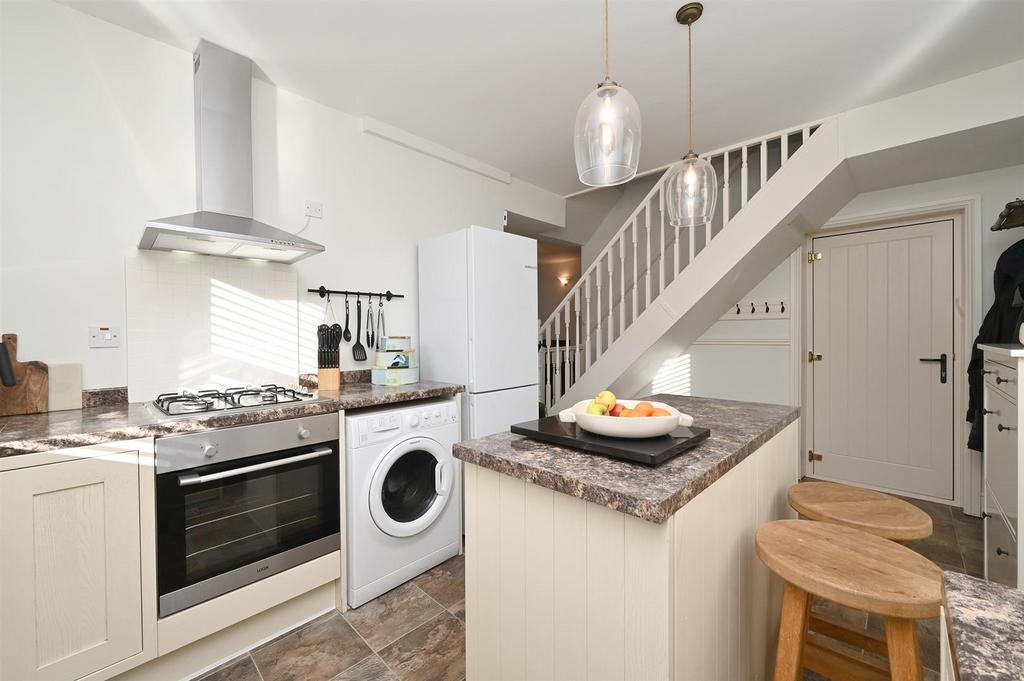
(879, 514)
(855, 569)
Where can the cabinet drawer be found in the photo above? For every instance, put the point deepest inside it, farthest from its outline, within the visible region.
(1001, 377)
(1000, 552)
(1001, 450)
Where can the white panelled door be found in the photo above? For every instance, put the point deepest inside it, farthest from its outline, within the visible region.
(882, 313)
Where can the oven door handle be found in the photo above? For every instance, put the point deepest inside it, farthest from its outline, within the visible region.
(196, 479)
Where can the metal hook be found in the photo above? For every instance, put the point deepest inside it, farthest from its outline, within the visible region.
(782, 307)
(766, 308)
(737, 308)
(752, 309)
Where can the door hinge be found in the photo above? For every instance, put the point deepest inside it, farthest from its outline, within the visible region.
(813, 455)
(812, 256)
(814, 357)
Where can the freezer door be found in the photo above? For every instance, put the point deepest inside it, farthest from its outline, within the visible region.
(490, 413)
(503, 310)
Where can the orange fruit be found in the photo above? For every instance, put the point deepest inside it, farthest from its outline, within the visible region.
(644, 408)
(659, 412)
(630, 413)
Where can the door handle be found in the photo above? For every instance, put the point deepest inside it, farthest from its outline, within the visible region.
(941, 359)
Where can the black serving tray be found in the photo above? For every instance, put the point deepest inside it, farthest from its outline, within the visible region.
(650, 451)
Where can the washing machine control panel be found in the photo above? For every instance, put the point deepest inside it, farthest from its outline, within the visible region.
(387, 425)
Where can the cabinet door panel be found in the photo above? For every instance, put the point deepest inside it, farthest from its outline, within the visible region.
(70, 580)
(1000, 552)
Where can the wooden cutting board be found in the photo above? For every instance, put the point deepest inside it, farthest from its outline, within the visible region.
(31, 393)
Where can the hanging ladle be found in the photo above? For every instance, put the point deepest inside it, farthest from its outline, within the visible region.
(346, 334)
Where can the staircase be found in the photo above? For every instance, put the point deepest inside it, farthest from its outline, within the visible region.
(654, 288)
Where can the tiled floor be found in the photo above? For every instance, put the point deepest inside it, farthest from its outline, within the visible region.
(413, 633)
(417, 631)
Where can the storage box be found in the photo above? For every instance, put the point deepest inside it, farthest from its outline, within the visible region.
(397, 343)
(394, 376)
(401, 359)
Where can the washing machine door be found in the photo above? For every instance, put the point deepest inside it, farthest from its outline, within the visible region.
(410, 487)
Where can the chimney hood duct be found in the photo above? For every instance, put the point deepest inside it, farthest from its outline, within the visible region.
(223, 224)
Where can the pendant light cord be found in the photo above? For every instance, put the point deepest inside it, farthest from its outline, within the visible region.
(689, 82)
(607, 72)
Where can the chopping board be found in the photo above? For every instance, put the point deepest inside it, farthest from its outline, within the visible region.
(31, 392)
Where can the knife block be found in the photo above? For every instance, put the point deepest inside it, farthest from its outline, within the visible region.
(328, 379)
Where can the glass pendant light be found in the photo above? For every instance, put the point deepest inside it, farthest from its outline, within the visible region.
(692, 187)
(607, 134)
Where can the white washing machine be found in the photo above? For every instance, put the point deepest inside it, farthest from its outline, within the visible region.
(403, 494)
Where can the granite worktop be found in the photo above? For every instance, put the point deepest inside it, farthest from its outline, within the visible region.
(986, 626)
(651, 493)
(95, 425)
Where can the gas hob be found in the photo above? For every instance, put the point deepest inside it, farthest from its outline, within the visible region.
(199, 401)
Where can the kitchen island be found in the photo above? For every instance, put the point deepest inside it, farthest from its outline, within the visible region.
(584, 567)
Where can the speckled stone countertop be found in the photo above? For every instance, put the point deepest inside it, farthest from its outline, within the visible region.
(94, 425)
(737, 430)
(986, 623)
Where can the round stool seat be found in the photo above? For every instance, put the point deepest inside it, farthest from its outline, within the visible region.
(879, 514)
(851, 567)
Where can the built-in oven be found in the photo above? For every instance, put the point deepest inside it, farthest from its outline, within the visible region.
(239, 504)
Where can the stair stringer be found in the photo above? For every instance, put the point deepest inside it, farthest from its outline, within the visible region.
(808, 190)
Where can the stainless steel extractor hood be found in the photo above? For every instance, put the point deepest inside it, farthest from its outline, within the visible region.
(223, 223)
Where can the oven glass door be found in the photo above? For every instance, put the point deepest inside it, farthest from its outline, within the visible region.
(215, 520)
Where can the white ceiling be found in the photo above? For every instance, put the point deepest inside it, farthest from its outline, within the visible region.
(500, 80)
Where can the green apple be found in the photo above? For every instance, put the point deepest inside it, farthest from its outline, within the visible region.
(597, 408)
(607, 398)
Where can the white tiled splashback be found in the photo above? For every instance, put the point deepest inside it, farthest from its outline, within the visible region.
(201, 321)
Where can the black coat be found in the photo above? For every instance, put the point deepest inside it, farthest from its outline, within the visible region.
(1001, 325)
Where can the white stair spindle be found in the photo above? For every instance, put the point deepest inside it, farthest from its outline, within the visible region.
(647, 279)
(598, 344)
(622, 284)
(611, 296)
(547, 366)
(587, 296)
(661, 242)
(632, 313)
(576, 374)
(725, 190)
(556, 389)
(764, 165)
(743, 177)
(785, 148)
(804, 134)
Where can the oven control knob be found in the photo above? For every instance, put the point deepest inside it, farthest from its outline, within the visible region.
(303, 433)
(414, 420)
(209, 450)
(437, 414)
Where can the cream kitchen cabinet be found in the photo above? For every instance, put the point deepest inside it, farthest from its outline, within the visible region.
(1002, 469)
(77, 579)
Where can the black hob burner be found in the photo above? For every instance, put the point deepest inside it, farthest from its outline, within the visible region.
(197, 401)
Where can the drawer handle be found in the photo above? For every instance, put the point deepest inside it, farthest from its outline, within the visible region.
(986, 514)
(1004, 380)
(1001, 427)
(987, 372)
(1001, 552)
(986, 412)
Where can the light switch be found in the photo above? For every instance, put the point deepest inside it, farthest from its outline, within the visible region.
(104, 336)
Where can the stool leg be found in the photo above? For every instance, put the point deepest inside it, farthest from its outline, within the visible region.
(904, 653)
(792, 632)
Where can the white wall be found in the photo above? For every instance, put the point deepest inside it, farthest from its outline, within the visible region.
(97, 137)
(379, 200)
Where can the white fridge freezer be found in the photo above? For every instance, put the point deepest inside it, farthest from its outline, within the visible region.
(478, 324)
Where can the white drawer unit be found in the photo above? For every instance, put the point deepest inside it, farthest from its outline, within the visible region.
(1002, 469)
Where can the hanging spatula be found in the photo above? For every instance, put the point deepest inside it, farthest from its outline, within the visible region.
(358, 351)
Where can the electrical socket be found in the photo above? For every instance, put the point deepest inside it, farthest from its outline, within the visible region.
(314, 209)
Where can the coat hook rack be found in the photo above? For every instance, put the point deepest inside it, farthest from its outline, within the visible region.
(324, 292)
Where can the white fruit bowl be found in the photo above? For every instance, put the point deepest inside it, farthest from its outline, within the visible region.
(618, 426)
